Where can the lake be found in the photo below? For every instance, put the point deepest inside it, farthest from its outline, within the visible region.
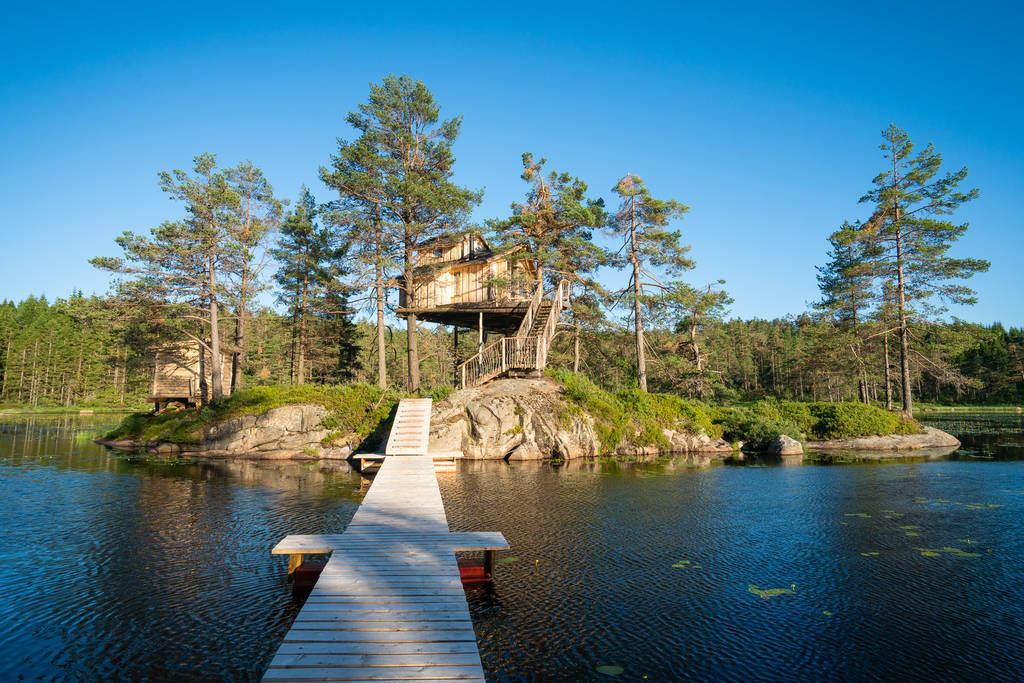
(134, 567)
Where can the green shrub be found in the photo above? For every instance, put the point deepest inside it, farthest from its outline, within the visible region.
(631, 415)
(760, 422)
(755, 425)
(845, 420)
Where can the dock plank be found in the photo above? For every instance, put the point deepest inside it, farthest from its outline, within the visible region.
(389, 604)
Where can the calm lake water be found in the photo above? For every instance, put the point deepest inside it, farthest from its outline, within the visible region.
(121, 567)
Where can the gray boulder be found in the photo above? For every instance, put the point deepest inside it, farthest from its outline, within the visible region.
(784, 445)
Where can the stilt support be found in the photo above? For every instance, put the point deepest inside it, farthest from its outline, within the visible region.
(489, 563)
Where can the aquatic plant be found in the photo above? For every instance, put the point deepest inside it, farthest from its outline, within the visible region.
(766, 593)
(609, 670)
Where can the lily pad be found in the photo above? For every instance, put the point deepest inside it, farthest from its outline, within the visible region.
(872, 553)
(766, 593)
(826, 613)
(508, 560)
(685, 564)
(858, 514)
(610, 670)
(913, 533)
(955, 552)
(910, 527)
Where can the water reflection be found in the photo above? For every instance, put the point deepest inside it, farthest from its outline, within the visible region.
(130, 567)
(134, 567)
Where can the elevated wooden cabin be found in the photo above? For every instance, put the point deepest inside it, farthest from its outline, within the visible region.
(177, 374)
(459, 278)
(461, 281)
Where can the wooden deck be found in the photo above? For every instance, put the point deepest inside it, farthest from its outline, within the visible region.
(389, 604)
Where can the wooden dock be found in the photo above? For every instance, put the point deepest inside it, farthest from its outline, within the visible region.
(389, 604)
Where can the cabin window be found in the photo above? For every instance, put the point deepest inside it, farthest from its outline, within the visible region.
(438, 253)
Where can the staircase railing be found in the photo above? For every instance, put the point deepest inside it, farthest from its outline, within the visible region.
(499, 357)
(520, 352)
(548, 333)
(531, 312)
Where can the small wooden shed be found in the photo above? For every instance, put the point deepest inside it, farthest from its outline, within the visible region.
(177, 374)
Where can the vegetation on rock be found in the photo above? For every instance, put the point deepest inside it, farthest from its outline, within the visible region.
(355, 412)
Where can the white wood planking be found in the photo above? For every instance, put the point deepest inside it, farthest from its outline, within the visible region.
(389, 604)
(410, 430)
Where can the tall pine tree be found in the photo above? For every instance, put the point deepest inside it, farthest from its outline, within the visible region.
(911, 237)
(648, 246)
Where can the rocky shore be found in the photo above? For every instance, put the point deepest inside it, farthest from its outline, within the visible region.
(511, 419)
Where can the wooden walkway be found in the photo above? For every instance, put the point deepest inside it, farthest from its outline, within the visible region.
(389, 604)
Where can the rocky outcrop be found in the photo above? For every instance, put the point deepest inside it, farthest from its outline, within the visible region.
(293, 431)
(929, 438)
(529, 419)
(784, 446)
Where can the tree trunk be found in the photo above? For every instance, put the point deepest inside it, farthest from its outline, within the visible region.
(908, 398)
(576, 348)
(300, 376)
(382, 363)
(641, 361)
(216, 362)
(888, 372)
(238, 359)
(411, 340)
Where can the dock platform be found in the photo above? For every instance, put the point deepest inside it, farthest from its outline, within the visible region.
(389, 604)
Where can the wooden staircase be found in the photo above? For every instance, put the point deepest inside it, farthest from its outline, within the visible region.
(527, 351)
(410, 430)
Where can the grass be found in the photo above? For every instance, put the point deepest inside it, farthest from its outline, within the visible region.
(359, 412)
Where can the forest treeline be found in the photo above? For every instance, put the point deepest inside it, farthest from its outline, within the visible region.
(68, 352)
(336, 267)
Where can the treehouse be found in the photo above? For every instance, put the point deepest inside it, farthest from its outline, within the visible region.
(182, 374)
(460, 280)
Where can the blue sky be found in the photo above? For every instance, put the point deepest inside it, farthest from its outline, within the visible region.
(764, 120)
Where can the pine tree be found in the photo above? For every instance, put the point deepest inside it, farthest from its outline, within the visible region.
(357, 174)
(554, 224)
(258, 215)
(911, 239)
(179, 275)
(309, 255)
(847, 284)
(648, 246)
(409, 178)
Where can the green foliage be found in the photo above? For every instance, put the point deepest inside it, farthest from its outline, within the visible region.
(760, 422)
(751, 426)
(634, 416)
(360, 412)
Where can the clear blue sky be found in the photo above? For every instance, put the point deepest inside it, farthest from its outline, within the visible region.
(764, 120)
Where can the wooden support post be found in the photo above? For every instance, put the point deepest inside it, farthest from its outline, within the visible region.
(293, 563)
(489, 563)
(480, 334)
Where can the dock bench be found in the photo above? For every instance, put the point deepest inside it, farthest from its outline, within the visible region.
(295, 546)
